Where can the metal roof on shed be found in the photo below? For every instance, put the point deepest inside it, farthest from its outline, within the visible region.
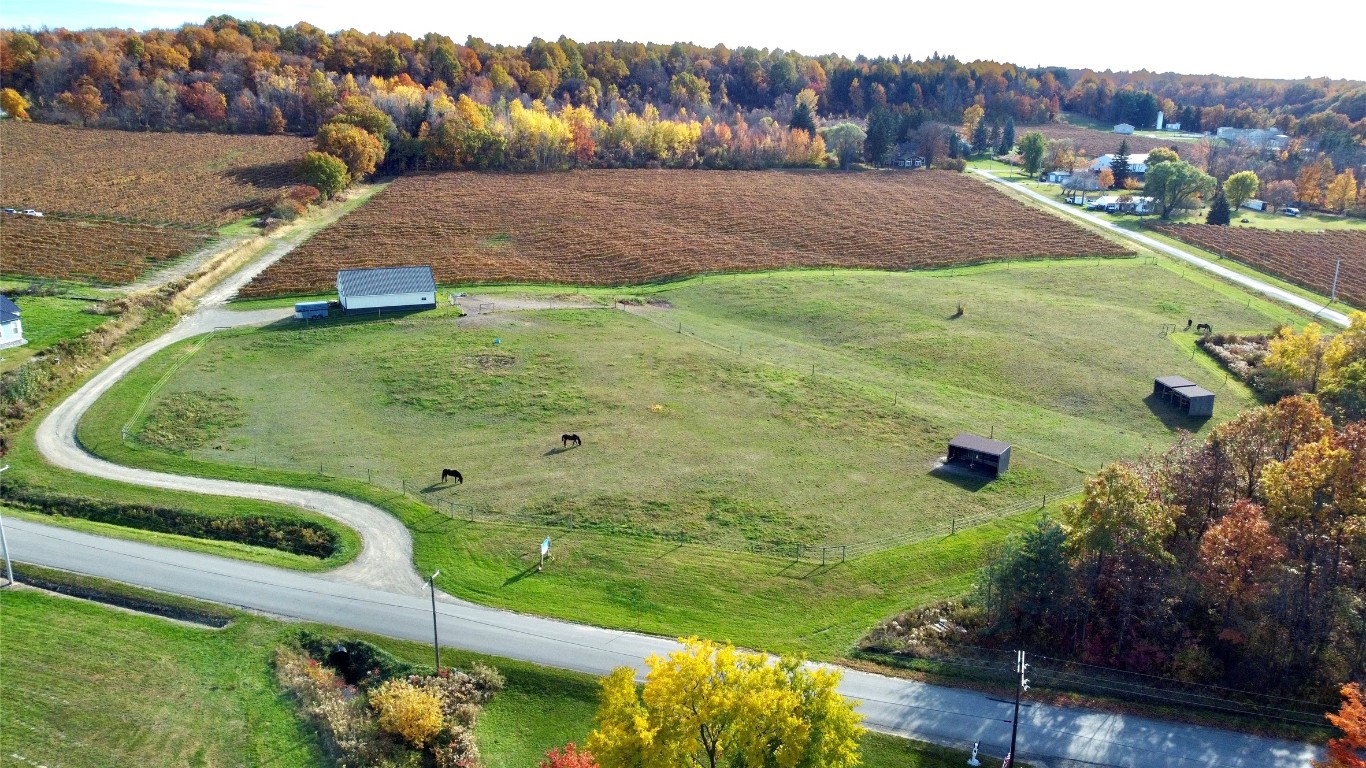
(1174, 381)
(9, 311)
(979, 444)
(384, 281)
(1192, 392)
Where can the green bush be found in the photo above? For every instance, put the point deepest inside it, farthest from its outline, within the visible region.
(299, 537)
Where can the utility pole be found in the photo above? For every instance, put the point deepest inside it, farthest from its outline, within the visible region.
(9, 570)
(1334, 295)
(436, 643)
(1021, 686)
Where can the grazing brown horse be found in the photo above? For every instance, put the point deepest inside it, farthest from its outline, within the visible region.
(567, 439)
(452, 473)
(1204, 327)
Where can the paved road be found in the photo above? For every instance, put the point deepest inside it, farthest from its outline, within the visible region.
(1312, 307)
(1049, 736)
(380, 592)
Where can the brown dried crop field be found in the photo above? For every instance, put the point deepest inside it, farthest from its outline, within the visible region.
(190, 179)
(102, 251)
(1091, 142)
(1306, 259)
(622, 227)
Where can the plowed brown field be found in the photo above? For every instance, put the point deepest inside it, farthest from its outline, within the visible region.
(1303, 258)
(1092, 142)
(103, 251)
(199, 179)
(625, 227)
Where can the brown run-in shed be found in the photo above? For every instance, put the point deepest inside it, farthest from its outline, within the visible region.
(980, 453)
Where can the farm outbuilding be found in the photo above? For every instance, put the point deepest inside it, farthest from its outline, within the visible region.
(310, 310)
(979, 452)
(392, 288)
(11, 324)
(1185, 394)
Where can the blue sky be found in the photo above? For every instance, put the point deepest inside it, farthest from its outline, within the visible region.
(1249, 38)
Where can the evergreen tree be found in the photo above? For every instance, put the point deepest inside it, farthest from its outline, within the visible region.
(980, 137)
(1120, 165)
(802, 118)
(994, 140)
(1218, 210)
(1007, 138)
(881, 141)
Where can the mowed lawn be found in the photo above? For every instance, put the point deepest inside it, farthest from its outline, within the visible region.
(86, 685)
(47, 320)
(718, 434)
(91, 686)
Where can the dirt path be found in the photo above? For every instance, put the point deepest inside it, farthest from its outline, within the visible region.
(386, 557)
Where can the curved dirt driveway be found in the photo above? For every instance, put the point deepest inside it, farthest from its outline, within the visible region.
(386, 557)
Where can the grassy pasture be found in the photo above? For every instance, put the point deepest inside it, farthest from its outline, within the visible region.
(745, 444)
(87, 685)
(47, 320)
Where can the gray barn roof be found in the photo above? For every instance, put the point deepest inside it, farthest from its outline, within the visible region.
(9, 311)
(1192, 392)
(385, 281)
(1174, 382)
(979, 444)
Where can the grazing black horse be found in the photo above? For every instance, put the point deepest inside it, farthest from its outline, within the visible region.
(452, 473)
(1188, 323)
(567, 439)
(1204, 327)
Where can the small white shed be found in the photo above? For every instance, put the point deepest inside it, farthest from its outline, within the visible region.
(11, 325)
(393, 288)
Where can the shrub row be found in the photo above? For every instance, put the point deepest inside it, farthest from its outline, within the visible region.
(123, 596)
(299, 537)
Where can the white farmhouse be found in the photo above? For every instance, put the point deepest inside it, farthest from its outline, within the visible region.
(11, 326)
(393, 288)
(1138, 164)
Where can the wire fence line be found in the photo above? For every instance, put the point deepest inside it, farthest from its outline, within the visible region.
(429, 493)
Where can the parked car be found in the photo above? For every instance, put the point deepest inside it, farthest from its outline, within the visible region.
(1291, 211)
(31, 212)
(11, 210)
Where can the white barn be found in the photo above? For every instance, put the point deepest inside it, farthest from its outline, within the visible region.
(1124, 128)
(394, 288)
(11, 325)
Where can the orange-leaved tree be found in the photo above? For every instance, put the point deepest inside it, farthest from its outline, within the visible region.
(1345, 752)
(568, 757)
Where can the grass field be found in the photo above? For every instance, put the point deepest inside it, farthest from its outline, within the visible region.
(47, 320)
(90, 686)
(623, 227)
(746, 444)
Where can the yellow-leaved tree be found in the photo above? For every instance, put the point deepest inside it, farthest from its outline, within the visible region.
(411, 713)
(711, 705)
(1297, 357)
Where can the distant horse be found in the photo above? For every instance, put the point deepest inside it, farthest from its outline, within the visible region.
(452, 473)
(1188, 323)
(1204, 327)
(567, 439)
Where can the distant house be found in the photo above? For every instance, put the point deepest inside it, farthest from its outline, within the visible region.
(905, 157)
(11, 326)
(1058, 177)
(1124, 128)
(393, 288)
(1138, 164)
(1139, 206)
(1258, 138)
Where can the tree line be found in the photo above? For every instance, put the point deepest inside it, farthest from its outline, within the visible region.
(242, 76)
(1234, 560)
